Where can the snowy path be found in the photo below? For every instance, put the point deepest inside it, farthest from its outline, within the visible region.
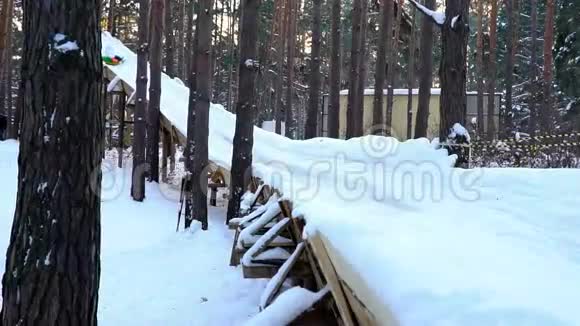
(150, 274)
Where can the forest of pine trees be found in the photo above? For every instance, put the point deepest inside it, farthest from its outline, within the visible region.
(534, 100)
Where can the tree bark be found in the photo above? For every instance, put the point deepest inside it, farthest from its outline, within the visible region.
(314, 99)
(548, 110)
(384, 45)
(512, 13)
(334, 74)
(533, 66)
(362, 76)
(425, 75)
(140, 127)
(232, 50)
(169, 39)
(353, 111)
(480, 69)
(5, 25)
(111, 19)
(181, 73)
(203, 91)
(245, 108)
(153, 110)
(52, 263)
(411, 76)
(392, 67)
(191, 114)
(491, 130)
(291, 43)
(453, 99)
(279, 57)
(189, 41)
(5, 44)
(11, 110)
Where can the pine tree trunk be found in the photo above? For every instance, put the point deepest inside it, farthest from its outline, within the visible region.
(453, 100)
(5, 43)
(191, 119)
(490, 128)
(232, 50)
(392, 69)
(245, 108)
(291, 43)
(480, 69)
(169, 39)
(411, 76)
(313, 100)
(384, 44)
(533, 67)
(11, 110)
(548, 110)
(334, 74)
(189, 42)
(203, 91)
(5, 25)
(52, 277)
(153, 110)
(362, 75)
(425, 74)
(111, 21)
(511, 12)
(140, 126)
(281, 38)
(180, 72)
(352, 111)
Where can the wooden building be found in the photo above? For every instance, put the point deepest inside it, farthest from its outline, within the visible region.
(399, 120)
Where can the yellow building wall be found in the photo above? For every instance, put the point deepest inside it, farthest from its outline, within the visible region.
(399, 117)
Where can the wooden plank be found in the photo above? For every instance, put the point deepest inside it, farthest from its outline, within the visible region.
(363, 316)
(282, 274)
(296, 231)
(362, 290)
(269, 238)
(268, 271)
(234, 256)
(332, 279)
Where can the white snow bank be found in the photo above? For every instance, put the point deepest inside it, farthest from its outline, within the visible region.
(288, 306)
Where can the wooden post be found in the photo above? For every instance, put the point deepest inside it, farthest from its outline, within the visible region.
(104, 104)
(110, 105)
(213, 196)
(121, 116)
(172, 153)
(166, 152)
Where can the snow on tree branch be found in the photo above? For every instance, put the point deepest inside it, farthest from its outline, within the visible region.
(437, 17)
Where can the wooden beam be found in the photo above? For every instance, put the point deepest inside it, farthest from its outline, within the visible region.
(277, 281)
(121, 133)
(332, 279)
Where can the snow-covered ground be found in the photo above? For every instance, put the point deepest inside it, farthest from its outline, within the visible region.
(150, 274)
